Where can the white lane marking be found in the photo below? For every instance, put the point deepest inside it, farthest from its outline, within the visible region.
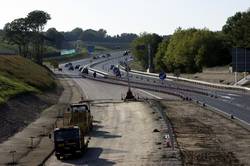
(226, 97)
(150, 94)
(233, 95)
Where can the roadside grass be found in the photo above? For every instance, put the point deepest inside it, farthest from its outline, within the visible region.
(19, 75)
(136, 65)
(219, 74)
(63, 59)
(10, 88)
(83, 54)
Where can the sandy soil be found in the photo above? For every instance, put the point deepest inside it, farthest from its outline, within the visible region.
(123, 135)
(215, 75)
(207, 138)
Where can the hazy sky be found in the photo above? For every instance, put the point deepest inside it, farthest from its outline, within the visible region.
(117, 16)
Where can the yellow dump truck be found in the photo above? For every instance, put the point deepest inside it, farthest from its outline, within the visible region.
(70, 138)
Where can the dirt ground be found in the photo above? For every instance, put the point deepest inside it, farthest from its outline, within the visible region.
(207, 138)
(123, 135)
(21, 110)
(215, 75)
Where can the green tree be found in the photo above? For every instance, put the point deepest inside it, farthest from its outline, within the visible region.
(17, 33)
(140, 47)
(36, 21)
(237, 29)
(55, 38)
(192, 49)
(159, 57)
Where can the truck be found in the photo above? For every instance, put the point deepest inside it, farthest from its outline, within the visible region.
(69, 139)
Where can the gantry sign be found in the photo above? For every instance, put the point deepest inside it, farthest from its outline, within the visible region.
(241, 59)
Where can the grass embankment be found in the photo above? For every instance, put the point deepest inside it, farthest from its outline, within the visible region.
(83, 54)
(19, 75)
(136, 65)
(63, 59)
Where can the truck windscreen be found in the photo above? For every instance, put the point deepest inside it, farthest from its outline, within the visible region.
(61, 135)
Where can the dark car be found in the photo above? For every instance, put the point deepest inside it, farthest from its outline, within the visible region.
(85, 70)
(125, 53)
(111, 67)
(68, 65)
(71, 67)
(77, 66)
(108, 55)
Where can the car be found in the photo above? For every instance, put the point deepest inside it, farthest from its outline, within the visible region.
(68, 64)
(77, 66)
(103, 56)
(71, 67)
(80, 68)
(85, 70)
(111, 67)
(108, 55)
(125, 53)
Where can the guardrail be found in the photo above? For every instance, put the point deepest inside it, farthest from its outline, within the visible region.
(154, 75)
(214, 85)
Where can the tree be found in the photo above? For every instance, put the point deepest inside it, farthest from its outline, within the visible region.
(237, 29)
(36, 21)
(55, 38)
(141, 53)
(192, 49)
(159, 57)
(17, 33)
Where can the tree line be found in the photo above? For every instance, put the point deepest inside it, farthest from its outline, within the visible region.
(30, 38)
(59, 38)
(27, 34)
(189, 50)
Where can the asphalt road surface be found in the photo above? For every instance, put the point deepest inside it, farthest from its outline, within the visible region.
(117, 139)
(230, 102)
(122, 136)
(122, 132)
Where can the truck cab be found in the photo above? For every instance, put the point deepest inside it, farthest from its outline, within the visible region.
(69, 141)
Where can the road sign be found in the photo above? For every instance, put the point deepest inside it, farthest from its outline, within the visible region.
(91, 49)
(117, 72)
(241, 59)
(162, 76)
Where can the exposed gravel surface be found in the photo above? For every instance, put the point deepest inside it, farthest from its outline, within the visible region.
(207, 138)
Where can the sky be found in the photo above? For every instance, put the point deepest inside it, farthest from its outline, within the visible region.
(131, 16)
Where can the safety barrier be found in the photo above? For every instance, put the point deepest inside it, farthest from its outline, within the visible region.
(214, 85)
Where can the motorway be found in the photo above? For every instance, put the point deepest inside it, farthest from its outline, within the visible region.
(122, 132)
(118, 141)
(230, 102)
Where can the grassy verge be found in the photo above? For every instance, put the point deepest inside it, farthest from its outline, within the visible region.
(219, 74)
(63, 59)
(19, 75)
(136, 65)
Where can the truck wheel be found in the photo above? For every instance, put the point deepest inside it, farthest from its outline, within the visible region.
(91, 127)
(58, 157)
